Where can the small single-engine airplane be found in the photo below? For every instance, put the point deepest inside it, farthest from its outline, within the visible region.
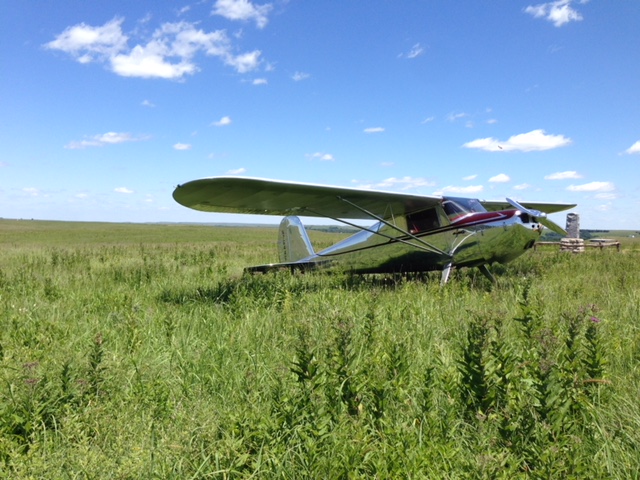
(412, 233)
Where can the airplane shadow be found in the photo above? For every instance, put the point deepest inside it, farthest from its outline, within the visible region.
(274, 286)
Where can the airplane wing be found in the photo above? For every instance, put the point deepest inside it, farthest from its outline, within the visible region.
(270, 197)
(498, 205)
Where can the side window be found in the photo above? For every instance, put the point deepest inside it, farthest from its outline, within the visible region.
(422, 221)
(453, 210)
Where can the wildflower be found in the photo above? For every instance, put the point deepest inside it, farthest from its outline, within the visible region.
(595, 319)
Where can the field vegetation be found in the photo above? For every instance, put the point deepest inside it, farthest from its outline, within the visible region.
(142, 351)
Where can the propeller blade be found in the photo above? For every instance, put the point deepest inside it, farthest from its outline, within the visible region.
(553, 226)
(528, 211)
(539, 216)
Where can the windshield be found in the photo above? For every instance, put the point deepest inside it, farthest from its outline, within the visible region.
(456, 208)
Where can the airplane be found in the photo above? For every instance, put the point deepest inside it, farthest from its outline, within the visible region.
(411, 233)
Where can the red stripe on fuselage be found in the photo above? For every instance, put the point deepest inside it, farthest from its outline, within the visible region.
(484, 217)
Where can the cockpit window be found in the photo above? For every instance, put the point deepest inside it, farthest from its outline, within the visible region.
(456, 208)
(424, 220)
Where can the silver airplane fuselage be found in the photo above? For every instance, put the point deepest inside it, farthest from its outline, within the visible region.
(494, 237)
(473, 239)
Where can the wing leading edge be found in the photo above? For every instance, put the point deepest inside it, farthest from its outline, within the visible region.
(270, 197)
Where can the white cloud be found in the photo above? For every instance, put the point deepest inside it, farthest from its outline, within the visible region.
(558, 12)
(147, 103)
(536, 140)
(149, 62)
(428, 120)
(123, 190)
(243, 10)
(323, 157)
(34, 192)
(86, 43)
(500, 178)
(593, 187)
(182, 146)
(374, 130)
(606, 196)
(223, 122)
(452, 117)
(394, 183)
(522, 186)
(167, 53)
(245, 62)
(109, 138)
(237, 171)
(299, 76)
(605, 207)
(415, 51)
(464, 190)
(259, 81)
(405, 183)
(635, 148)
(469, 177)
(563, 175)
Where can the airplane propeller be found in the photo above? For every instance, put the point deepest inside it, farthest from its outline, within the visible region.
(538, 216)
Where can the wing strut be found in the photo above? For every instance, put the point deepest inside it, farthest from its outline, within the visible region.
(365, 229)
(423, 245)
(398, 229)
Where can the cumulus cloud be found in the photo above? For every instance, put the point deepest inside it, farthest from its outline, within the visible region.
(182, 146)
(469, 177)
(522, 186)
(259, 81)
(405, 183)
(237, 171)
(394, 183)
(123, 190)
(501, 178)
(168, 53)
(563, 175)
(536, 140)
(323, 157)
(299, 76)
(593, 187)
(109, 138)
(374, 130)
(635, 148)
(86, 43)
(245, 62)
(464, 190)
(243, 10)
(223, 122)
(559, 12)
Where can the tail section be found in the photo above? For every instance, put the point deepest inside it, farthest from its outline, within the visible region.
(293, 241)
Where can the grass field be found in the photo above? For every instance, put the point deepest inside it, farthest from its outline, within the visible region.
(142, 351)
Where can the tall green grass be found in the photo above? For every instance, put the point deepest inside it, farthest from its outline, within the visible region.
(143, 352)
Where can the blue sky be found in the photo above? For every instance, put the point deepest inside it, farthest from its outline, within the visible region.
(107, 106)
